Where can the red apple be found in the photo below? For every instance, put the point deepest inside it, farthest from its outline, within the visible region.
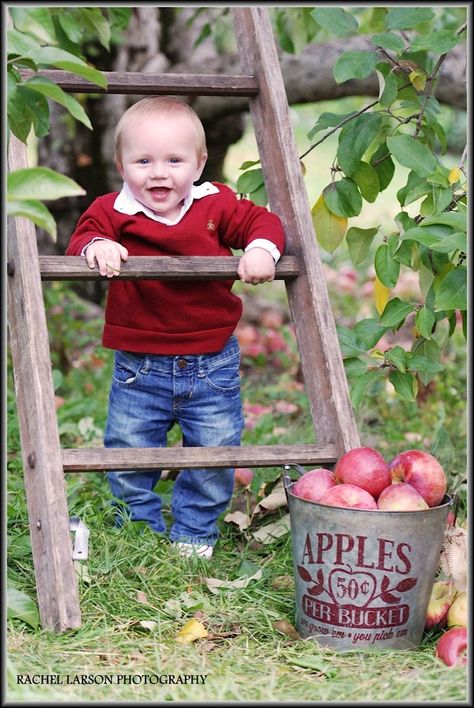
(457, 614)
(314, 484)
(422, 471)
(452, 645)
(365, 468)
(442, 595)
(348, 496)
(243, 476)
(401, 497)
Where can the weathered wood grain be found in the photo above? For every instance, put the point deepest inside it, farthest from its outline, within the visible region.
(157, 268)
(51, 542)
(124, 82)
(103, 459)
(308, 298)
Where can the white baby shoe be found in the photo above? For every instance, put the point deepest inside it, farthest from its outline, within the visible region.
(188, 550)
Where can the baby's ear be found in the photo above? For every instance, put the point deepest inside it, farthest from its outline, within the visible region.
(119, 166)
(201, 165)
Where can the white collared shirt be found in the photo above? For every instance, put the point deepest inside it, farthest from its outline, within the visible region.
(126, 203)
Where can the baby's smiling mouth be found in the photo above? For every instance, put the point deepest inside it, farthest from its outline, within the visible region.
(159, 191)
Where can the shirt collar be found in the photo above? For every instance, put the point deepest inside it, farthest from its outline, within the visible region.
(126, 203)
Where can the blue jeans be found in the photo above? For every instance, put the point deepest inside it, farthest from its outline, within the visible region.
(201, 393)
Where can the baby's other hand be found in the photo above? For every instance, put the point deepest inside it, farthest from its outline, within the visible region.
(108, 256)
(256, 266)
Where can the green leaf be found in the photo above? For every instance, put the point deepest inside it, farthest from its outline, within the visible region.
(51, 90)
(386, 267)
(359, 242)
(355, 138)
(395, 312)
(404, 384)
(349, 342)
(451, 291)
(436, 238)
(424, 321)
(456, 219)
(354, 367)
(383, 164)
(354, 65)
(396, 356)
(412, 154)
(430, 350)
(249, 181)
(36, 21)
(388, 89)
(249, 163)
(390, 41)
(330, 229)
(53, 56)
(439, 42)
(35, 211)
(37, 107)
(328, 120)
(407, 17)
(73, 29)
(437, 201)
(369, 332)
(97, 24)
(366, 178)
(40, 183)
(20, 606)
(423, 364)
(343, 198)
(335, 20)
(360, 387)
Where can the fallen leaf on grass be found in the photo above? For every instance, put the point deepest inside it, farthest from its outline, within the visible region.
(316, 664)
(191, 631)
(270, 532)
(148, 625)
(142, 597)
(283, 582)
(275, 500)
(214, 583)
(286, 628)
(82, 571)
(239, 518)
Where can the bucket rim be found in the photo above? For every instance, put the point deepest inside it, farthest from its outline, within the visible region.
(445, 502)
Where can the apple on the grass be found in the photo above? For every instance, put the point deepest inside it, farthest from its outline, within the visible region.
(364, 467)
(452, 645)
(441, 598)
(349, 496)
(312, 485)
(243, 476)
(422, 471)
(457, 614)
(401, 497)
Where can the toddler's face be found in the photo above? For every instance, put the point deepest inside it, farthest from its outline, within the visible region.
(160, 161)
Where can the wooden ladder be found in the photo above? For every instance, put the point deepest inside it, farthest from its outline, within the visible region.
(43, 459)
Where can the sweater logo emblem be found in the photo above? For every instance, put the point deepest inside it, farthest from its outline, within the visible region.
(211, 225)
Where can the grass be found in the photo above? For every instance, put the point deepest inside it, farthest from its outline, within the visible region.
(136, 594)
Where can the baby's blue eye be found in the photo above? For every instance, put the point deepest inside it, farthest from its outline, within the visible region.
(144, 161)
(174, 160)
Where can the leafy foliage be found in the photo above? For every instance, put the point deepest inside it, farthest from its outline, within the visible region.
(43, 38)
(405, 48)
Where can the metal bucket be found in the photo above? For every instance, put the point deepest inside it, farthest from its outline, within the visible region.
(363, 578)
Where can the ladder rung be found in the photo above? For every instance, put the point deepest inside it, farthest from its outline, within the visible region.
(128, 82)
(158, 268)
(102, 459)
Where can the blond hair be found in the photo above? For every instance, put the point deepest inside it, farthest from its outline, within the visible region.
(159, 105)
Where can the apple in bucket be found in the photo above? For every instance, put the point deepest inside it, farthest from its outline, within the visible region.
(423, 472)
(349, 496)
(401, 497)
(365, 468)
(312, 485)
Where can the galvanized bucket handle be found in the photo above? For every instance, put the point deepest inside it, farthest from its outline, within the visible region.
(287, 481)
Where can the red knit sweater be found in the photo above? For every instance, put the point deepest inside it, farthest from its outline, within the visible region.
(175, 317)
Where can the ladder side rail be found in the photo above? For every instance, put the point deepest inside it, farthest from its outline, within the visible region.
(56, 582)
(321, 360)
